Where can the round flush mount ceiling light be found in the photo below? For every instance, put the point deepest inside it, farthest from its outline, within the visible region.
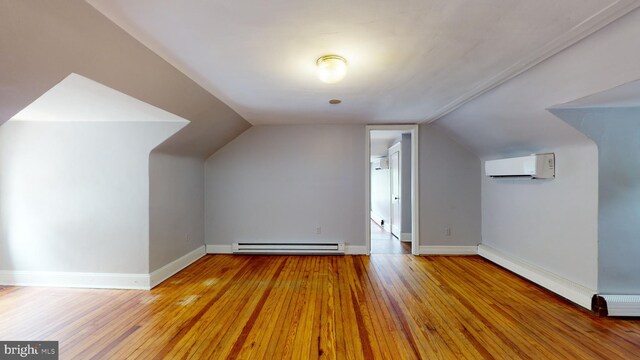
(331, 68)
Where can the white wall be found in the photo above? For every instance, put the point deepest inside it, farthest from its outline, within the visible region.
(176, 207)
(617, 133)
(74, 196)
(381, 194)
(449, 191)
(380, 147)
(552, 224)
(279, 183)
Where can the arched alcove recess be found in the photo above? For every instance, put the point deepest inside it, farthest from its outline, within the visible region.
(74, 187)
(612, 120)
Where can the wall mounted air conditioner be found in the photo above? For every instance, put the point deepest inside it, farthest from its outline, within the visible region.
(536, 166)
(381, 163)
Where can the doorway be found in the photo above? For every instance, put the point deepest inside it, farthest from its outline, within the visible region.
(392, 191)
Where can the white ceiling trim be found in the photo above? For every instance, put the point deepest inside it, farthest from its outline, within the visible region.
(589, 26)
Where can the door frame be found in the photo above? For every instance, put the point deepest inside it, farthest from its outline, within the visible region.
(415, 172)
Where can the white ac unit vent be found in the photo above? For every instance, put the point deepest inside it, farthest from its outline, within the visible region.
(381, 163)
(536, 166)
(284, 248)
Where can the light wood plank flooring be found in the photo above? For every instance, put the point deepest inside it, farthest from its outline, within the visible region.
(305, 307)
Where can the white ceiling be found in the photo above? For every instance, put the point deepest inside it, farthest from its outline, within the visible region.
(77, 98)
(409, 60)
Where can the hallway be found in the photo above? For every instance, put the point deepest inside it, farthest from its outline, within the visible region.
(382, 242)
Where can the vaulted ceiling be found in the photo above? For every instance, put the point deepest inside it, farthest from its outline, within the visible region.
(409, 60)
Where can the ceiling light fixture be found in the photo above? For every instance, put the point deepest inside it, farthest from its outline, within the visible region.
(331, 68)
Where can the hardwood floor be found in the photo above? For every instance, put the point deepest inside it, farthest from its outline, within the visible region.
(382, 242)
(334, 307)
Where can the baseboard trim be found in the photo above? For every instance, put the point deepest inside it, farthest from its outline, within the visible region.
(618, 305)
(99, 280)
(448, 250)
(75, 280)
(405, 237)
(355, 250)
(579, 294)
(172, 268)
(219, 249)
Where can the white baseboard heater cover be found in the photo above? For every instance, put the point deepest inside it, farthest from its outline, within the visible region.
(284, 248)
(622, 305)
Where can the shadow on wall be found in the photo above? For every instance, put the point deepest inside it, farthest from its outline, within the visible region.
(176, 207)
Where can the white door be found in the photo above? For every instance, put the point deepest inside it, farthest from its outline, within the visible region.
(394, 167)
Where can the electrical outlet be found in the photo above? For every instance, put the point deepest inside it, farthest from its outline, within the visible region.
(447, 231)
(318, 230)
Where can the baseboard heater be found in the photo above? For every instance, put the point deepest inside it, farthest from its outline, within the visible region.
(284, 248)
(616, 305)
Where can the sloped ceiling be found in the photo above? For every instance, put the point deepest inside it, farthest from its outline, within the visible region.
(513, 119)
(409, 60)
(42, 42)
